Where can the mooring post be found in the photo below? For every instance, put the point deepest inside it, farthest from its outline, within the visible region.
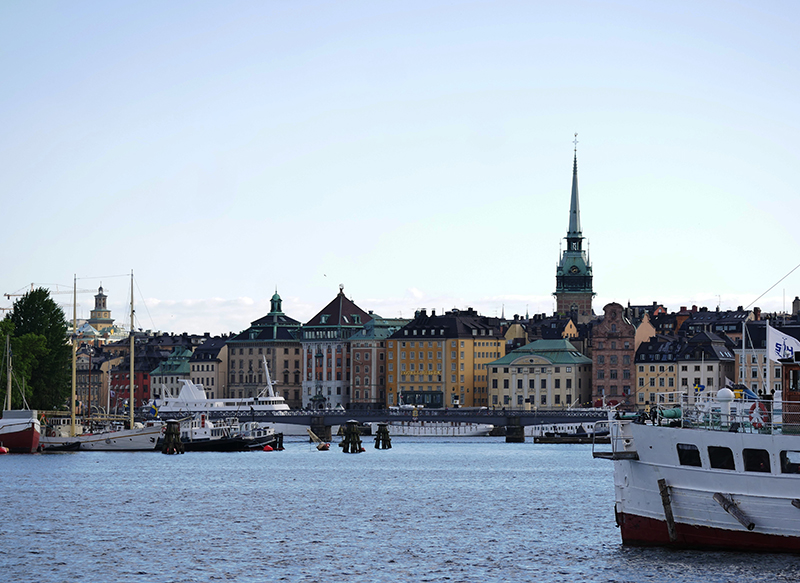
(515, 432)
(352, 438)
(382, 439)
(172, 438)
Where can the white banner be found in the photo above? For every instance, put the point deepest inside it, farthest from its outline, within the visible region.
(780, 345)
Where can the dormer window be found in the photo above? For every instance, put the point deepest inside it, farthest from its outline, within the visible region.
(324, 319)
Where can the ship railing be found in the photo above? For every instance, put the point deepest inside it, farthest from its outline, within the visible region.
(620, 438)
(741, 415)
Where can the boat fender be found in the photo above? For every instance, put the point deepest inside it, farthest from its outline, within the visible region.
(268, 448)
(3, 449)
(758, 415)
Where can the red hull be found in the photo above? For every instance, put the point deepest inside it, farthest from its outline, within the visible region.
(25, 441)
(640, 531)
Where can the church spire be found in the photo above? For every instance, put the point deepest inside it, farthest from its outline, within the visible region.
(574, 230)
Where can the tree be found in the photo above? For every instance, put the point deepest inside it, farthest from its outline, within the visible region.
(42, 355)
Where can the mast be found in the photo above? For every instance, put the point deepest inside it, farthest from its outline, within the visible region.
(74, 350)
(130, 397)
(8, 372)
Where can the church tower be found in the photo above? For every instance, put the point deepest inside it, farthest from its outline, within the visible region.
(574, 273)
(100, 318)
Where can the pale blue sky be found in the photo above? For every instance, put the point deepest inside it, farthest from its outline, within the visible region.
(420, 153)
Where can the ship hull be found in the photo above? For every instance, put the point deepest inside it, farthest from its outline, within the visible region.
(20, 439)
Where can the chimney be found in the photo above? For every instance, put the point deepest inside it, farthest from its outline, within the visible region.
(796, 306)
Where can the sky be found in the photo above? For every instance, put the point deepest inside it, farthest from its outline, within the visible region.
(417, 152)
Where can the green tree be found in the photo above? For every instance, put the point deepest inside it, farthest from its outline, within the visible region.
(42, 356)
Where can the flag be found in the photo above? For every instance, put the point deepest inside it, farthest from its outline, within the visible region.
(728, 383)
(154, 409)
(780, 345)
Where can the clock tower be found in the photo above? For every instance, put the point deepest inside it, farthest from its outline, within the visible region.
(574, 273)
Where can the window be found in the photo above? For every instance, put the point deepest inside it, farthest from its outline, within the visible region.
(721, 458)
(790, 462)
(756, 460)
(688, 454)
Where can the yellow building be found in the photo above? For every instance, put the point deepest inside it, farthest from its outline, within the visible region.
(441, 361)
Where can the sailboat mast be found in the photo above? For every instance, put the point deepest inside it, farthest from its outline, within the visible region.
(130, 398)
(8, 372)
(74, 351)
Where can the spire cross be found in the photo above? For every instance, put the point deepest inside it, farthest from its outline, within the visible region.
(575, 141)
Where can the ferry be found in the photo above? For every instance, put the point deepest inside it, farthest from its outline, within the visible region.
(715, 473)
(191, 400)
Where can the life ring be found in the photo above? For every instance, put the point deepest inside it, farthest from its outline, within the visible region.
(758, 415)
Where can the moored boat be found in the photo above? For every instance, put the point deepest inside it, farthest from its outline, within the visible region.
(716, 473)
(20, 429)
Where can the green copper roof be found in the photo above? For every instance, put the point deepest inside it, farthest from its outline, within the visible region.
(558, 351)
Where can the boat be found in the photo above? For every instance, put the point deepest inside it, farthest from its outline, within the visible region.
(112, 436)
(715, 473)
(198, 433)
(436, 429)
(20, 429)
(577, 434)
(192, 400)
(319, 443)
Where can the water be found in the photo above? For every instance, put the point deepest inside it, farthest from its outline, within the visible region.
(461, 510)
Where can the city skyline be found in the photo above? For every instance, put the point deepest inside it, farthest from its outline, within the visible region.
(418, 153)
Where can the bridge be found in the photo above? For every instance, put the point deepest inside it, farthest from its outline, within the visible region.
(514, 421)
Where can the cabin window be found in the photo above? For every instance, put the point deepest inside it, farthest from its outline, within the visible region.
(790, 462)
(756, 460)
(721, 458)
(689, 455)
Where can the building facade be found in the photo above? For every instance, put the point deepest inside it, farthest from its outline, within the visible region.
(613, 351)
(545, 374)
(272, 338)
(326, 358)
(368, 347)
(441, 361)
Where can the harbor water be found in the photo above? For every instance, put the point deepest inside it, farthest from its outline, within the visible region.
(427, 510)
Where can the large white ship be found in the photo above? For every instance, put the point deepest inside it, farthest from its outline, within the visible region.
(715, 473)
(191, 400)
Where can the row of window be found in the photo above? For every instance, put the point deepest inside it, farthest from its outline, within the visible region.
(753, 460)
(521, 400)
(261, 351)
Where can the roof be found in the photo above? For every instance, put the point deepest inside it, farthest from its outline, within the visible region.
(340, 312)
(453, 324)
(558, 351)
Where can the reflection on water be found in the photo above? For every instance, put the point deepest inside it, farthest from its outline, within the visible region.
(473, 509)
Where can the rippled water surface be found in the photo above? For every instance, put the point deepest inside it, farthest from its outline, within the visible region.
(474, 509)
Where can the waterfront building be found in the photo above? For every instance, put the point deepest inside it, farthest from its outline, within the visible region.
(325, 348)
(574, 291)
(727, 322)
(368, 347)
(545, 374)
(441, 361)
(705, 362)
(613, 339)
(657, 369)
(165, 378)
(209, 366)
(273, 337)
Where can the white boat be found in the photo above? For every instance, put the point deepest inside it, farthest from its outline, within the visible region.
(192, 400)
(716, 473)
(435, 429)
(60, 436)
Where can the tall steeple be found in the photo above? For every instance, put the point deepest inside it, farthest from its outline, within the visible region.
(574, 273)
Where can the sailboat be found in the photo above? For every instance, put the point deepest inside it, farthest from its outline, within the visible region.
(138, 436)
(19, 428)
(321, 445)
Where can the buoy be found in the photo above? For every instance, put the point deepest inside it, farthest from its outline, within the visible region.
(4, 449)
(268, 448)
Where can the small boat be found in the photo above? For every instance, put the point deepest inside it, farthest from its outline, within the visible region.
(437, 429)
(20, 429)
(320, 444)
(715, 473)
